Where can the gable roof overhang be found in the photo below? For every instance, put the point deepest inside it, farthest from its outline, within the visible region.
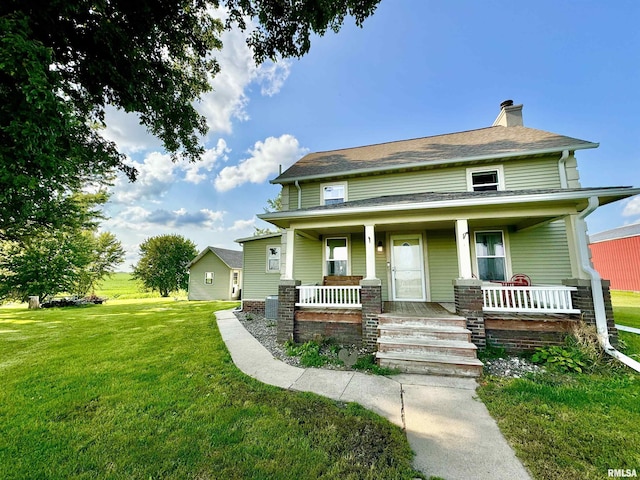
(489, 144)
(525, 208)
(231, 258)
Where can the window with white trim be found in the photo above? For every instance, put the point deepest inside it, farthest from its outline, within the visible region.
(336, 256)
(333, 193)
(273, 259)
(484, 179)
(491, 256)
(208, 278)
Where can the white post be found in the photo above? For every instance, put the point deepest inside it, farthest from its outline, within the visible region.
(463, 245)
(370, 251)
(288, 265)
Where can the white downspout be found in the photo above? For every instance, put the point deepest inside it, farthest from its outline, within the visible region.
(563, 170)
(299, 194)
(596, 287)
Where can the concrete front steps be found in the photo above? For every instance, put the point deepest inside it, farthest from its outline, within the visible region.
(433, 346)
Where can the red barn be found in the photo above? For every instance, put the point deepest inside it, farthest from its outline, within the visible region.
(616, 256)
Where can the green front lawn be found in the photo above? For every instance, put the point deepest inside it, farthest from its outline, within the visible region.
(146, 389)
(574, 426)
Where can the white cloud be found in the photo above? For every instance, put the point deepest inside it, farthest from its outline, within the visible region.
(155, 176)
(139, 219)
(632, 207)
(125, 130)
(240, 225)
(265, 159)
(209, 159)
(238, 70)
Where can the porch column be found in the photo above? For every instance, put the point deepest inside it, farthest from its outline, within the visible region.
(288, 254)
(463, 246)
(370, 251)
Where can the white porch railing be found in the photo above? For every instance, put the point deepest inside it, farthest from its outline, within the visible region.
(335, 296)
(530, 299)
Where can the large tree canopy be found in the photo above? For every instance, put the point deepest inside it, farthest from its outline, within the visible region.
(163, 264)
(63, 61)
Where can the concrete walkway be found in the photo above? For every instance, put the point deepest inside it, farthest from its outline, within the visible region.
(447, 426)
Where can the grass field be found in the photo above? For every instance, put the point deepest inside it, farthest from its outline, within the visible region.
(122, 286)
(146, 389)
(574, 426)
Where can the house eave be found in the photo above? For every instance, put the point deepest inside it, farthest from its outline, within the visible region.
(283, 219)
(417, 165)
(257, 237)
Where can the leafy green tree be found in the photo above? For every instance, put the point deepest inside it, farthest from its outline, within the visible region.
(273, 205)
(44, 266)
(52, 262)
(63, 61)
(163, 263)
(105, 254)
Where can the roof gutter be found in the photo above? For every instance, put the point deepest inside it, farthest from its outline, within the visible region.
(596, 288)
(562, 169)
(449, 161)
(299, 194)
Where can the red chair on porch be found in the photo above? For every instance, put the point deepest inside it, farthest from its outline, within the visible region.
(520, 280)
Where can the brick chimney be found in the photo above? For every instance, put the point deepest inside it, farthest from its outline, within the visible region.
(510, 115)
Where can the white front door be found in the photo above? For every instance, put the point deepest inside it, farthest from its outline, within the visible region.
(407, 268)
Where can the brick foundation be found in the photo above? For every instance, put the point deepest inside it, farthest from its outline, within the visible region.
(468, 300)
(341, 332)
(253, 306)
(521, 333)
(371, 300)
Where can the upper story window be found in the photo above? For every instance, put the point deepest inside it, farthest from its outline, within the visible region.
(333, 193)
(208, 278)
(484, 179)
(273, 259)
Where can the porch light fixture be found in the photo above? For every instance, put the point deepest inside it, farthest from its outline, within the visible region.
(379, 247)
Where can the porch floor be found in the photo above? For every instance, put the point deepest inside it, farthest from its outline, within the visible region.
(418, 309)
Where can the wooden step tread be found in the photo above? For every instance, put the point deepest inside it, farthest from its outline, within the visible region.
(427, 342)
(424, 327)
(429, 358)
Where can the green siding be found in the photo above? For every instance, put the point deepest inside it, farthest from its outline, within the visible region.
(442, 258)
(257, 283)
(220, 289)
(307, 264)
(542, 253)
(528, 174)
(519, 175)
(358, 255)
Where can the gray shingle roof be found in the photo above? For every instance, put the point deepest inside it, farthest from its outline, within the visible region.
(615, 233)
(233, 258)
(491, 142)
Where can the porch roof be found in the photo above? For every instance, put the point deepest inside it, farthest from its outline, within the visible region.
(575, 198)
(491, 143)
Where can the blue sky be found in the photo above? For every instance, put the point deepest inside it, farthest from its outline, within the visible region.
(417, 68)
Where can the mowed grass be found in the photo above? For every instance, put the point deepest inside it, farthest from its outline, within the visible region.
(574, 426)
(146, 389)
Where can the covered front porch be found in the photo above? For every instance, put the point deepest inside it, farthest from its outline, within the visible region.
(455, 251)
